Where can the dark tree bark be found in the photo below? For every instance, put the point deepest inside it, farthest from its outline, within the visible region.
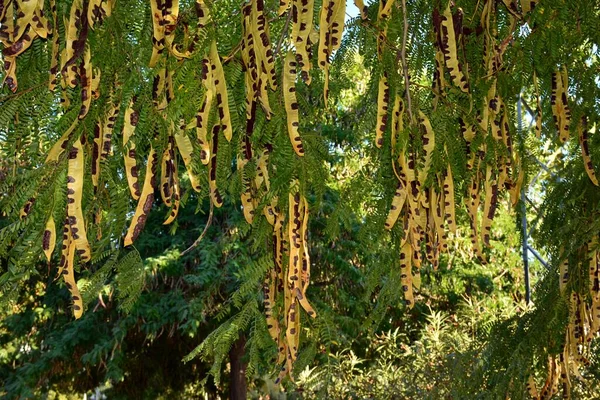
(237, 375)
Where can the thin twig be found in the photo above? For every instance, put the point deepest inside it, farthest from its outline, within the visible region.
(404, 64)
(233, 52)
(377, 31)
(283, 32)
(208, 223)
(22, 92)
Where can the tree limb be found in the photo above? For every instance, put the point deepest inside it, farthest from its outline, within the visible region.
(404, 64)
(208, 224)
(283, 32)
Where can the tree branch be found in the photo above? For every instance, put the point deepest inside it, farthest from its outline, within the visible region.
(233, 52)
(404, 64)
(22, 92)
(283, 32)
(208, 223)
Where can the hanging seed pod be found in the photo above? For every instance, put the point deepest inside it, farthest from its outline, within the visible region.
(49, 238)
(185, 147)
(585, 151)
(74, 197)
(146, 199)
(383, 99)
(450, 51)
(291, 105)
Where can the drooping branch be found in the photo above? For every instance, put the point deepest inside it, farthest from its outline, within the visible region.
(208, 224)
(283, 32)
(404, 63)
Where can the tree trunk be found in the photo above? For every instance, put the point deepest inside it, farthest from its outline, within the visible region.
(238, 370)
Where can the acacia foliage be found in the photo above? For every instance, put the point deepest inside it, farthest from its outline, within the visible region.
(501, 49)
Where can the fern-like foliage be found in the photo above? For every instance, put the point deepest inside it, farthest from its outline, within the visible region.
(348, 181)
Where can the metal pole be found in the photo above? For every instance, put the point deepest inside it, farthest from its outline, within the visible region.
(523, 212)
(525, 248)
(538, 256)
